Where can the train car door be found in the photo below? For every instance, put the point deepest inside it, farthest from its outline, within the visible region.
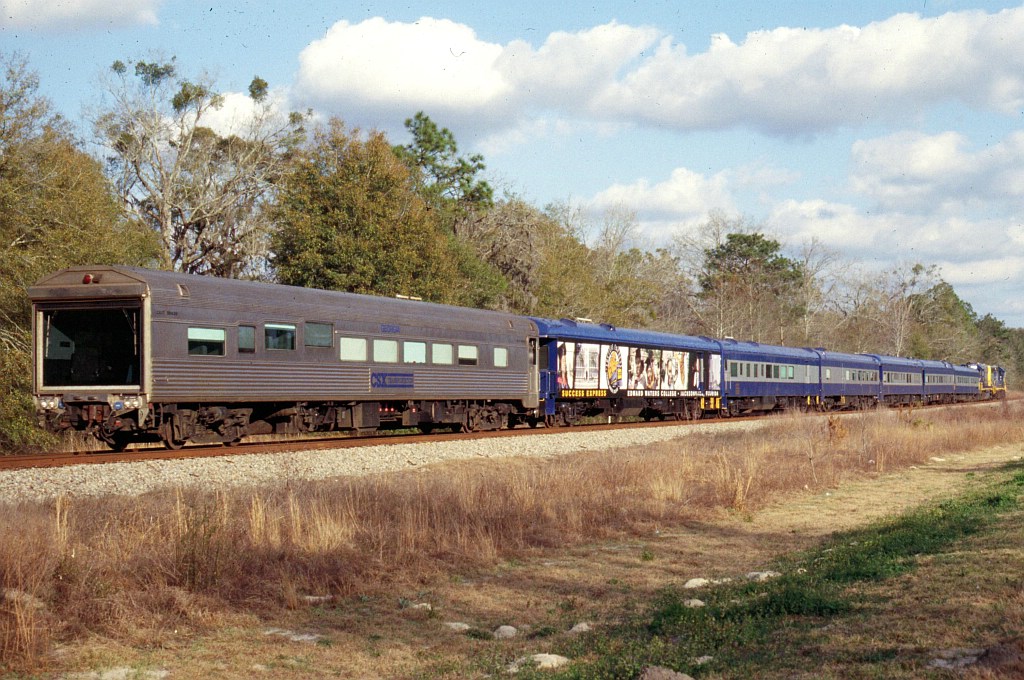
(548, 374)
(533, 370)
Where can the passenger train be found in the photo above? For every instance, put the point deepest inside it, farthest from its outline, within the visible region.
(135, 355)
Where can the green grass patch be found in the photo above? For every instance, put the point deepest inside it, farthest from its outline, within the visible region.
(750, 628)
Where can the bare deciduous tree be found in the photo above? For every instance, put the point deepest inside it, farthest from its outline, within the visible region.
(202, 190)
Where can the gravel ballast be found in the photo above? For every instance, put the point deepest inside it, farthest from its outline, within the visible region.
(247, 470)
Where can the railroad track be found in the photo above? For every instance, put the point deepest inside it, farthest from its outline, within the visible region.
(92, 457)
(156, 452)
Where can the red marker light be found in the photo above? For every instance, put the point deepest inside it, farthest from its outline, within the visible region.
(87, 278)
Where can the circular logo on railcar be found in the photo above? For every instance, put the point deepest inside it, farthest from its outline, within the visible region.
(613, 369)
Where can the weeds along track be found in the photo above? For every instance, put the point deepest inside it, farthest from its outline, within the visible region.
(818, 441)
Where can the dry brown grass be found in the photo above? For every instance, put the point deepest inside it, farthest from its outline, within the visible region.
(130, 569)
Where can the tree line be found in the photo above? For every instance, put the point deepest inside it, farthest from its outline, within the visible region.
(281, 197)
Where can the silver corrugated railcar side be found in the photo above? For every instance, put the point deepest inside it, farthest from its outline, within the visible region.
(220, 358)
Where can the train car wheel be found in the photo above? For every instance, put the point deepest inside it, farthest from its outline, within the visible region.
(168, 438)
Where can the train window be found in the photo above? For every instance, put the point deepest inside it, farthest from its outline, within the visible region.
(828, 374)
(442, 354)
(246, 339)
(791, 372)
(733, 369)
(319, 334)
(385, 351)
(847, 376)
(468, 355)
(500, 357)
(206, 341)
(775, 371)
(279, 335)
(352, 349)
(414, 352)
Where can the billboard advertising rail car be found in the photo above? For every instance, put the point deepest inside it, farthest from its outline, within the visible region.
(595, 370)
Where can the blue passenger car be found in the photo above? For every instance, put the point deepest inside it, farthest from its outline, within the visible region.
(768, 377)
(589, 370)
(849, 380)
(939, 381)
(902, 379)
(967, 386)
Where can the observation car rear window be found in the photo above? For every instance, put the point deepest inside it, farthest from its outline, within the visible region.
(319, 334)
(91, 346)
(206, 341)
(279, 335)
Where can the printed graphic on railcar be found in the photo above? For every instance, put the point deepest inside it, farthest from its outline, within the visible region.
(594, 370)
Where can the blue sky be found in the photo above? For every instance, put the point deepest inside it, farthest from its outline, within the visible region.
(891, 132)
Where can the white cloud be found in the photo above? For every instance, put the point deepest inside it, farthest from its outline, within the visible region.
(796, 81)
(785, 80)
(996, 270)
(433, 64)
(71, 14)
(835, 225)
(238, 113)
(568, 68)
(912, 171)
(892, 236)
(684, 196)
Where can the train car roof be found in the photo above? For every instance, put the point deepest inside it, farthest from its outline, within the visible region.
(590, 332)
(935, 366)
(747, 348)
(102, 282)
(843, 358)
(891, 362)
